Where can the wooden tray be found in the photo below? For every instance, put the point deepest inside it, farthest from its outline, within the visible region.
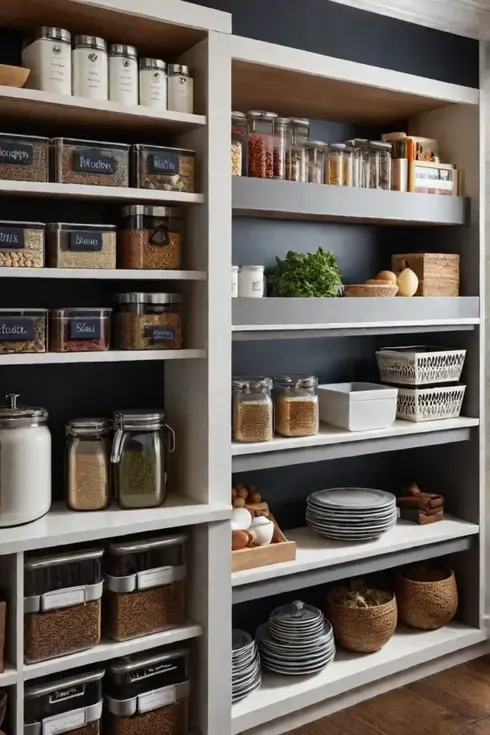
(261, 556)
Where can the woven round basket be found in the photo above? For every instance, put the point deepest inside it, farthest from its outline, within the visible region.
(369, 289)
(425, 602)
(362, 629)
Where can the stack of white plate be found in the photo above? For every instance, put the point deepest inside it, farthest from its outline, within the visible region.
(246, 674)
(351, 513)
(296, 641)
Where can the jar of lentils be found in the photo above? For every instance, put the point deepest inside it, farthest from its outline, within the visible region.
(261, 144)
(296, 405)
(148, 321)
(296, 154)
(239, 135)
(315, 161)
(281, 146)
(252, 410)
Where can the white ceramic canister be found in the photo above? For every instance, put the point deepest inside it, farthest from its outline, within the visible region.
(90, 75)
(251, 281)
(180, 88)
(123, 74)
(153, 83)
(25, 469)
(48, 56)
(234, 281)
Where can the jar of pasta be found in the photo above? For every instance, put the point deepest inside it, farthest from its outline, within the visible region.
(334, 172)
(296, 405)
(252, 409)
(315, 161)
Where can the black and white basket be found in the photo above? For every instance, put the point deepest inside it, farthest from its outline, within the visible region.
(420, 365)
(430, 404)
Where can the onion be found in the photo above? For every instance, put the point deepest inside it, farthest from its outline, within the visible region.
(408, 283)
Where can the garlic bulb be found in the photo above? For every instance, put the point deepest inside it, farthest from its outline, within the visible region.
(407, 282)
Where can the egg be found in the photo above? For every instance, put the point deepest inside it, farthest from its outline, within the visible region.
(241, 519)
(263, 530)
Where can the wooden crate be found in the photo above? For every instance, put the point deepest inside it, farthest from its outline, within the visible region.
(261, 556)
(438, 273)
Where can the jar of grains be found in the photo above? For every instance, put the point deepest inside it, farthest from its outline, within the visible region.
(24, 157)
(80, 246)
(149, 321)
(144, 586)
(252, 410)
(281, 145)
(151, 238)
(296, 154)
(261, 144)
(62, 603)
(21, 244)
(334, 172)
(238, 144)
(87, 464)
(315, 161)
(80, 329)
(91, 162)
(348, 166)
(142, 440)
(148, 693)
(296, 405)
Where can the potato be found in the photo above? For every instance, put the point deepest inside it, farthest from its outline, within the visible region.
(242, 492)
(255, 497)
(239, 503)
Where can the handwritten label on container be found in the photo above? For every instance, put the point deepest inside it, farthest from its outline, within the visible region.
(160, 334)
(12, 238)
(81, 328)
(164, 163)
(16, 153)
(17, 329)
(65, 722)
(164, 668)
(84, 241)
(157, 698)
(93, 162)
(61, 694)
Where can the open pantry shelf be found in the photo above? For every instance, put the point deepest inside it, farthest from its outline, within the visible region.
(108, 274)
(102, 193)
(56, 358)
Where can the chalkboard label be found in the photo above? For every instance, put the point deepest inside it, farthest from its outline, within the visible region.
(17, 329)
(94, 162)
(164, 163)
(84, 241)
(160, 334)
(12, 238)
(61, 694)
(81, 328)
(164, 668)
(17, 153)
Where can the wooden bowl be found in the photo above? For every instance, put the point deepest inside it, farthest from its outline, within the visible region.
(362, 629)
(370, 289)
(426, 602)
(13, 76)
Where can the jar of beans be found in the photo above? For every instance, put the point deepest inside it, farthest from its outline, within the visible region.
(252, 410)
(296, 154)
(261, 144)
(148, 321)
(281, 146)
(296, 405)
(315, 161)
(80, 329)
(334, 173)
(152, 237)
(239, 139)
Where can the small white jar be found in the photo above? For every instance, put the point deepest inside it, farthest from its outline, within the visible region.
(123, 74)
(153, 83)
(90, 74)
(251, 281)
(234, 281)
(48, 56)
(180, 89)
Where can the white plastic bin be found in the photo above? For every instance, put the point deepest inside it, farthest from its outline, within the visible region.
(357, 406)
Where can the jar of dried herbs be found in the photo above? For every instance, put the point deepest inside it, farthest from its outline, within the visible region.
(252, 410)
(296, 405)
(148, 321)
(152, 237)
(141, 444)
(87, 464)
(80, 246)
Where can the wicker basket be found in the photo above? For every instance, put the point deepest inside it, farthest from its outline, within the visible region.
(430, 404)
(426, 604)
(362, 629)
(371, 289)
(438, 273)
(420, 365)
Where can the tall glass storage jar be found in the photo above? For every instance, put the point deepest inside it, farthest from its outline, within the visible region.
(252, 410)
(142, 441)
(239, 147)
(152, 237)
(315, 161)
(87, 464)
(334, 170)
(281, 146)
(296, 409)
(384, 165)
(362, 175)
(296, 155)
(261, 144)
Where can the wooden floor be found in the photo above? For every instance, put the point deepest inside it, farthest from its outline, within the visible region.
(456, 701)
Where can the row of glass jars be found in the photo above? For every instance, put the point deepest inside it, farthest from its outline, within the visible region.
(285, 404)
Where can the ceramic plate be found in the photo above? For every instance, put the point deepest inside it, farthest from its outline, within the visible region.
(359, 498)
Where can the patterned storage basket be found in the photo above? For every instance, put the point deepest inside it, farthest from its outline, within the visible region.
(420, 365)
(430, 404)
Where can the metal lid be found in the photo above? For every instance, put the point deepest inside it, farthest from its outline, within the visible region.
(262, 115)
(41, 689)
(68, 226)
(300, 122)
(13, 416)
(282, 122)
(148, 298)
(315, 144)
(85, 311)
(90, 42)
(58, 142)
(55, 34)
(336, 146)
(380, 145)
(357, 142)
(146, 210)
(251, 267)
(179, 69)
(129, 547)
(121, 49)
(296, 612)
(238, 115)
(42, 562)
(146, 63)
(296, 381)
(130, 663)
(23, 225)
(134, 419)
(87, 426)
(251, 383)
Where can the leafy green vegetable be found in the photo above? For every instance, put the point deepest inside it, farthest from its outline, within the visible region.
(307, 275)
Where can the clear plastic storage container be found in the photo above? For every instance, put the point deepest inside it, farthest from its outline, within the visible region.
(148, 693)
(252, 410)
(334, 169)
(87, 464)
(149, 321)
(62, 603)
(89, 162)
(21, 244)
(159, 167)
(144, 586)
(261, 144)
(296, 155)
(72, 704)
(23, 330)
(282, 135)
(80, 329)
(239, 153)
(152, 237)
(315, 161)
(296, 405)
(80, 246)
(23, 157)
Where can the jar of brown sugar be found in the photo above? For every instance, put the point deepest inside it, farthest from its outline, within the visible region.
(296, 405)
(80, 329)
(252, 409)
(87, 464)
(148, 321)
(152, 237)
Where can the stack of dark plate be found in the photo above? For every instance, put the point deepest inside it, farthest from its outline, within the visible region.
(296, 641)
(246, 674)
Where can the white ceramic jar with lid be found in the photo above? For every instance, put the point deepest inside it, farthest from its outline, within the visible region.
(180, 88)
(25, 469)
(153, 83)
(90, 74)
(123, 74)
(48, 55)
(251, 281)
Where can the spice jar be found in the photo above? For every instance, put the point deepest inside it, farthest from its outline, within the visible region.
(90, 67)
(251, 281)
(296, 155)
(315, 161)
(281, 146)
(252, 409)
(161, 167)
(261, 144)
(123, 74)
(23, 330)
(148, 693)
(141, 442)
(144, 586)
(152, 237)
(153, 83)
(21, 244)
(72, 704)
(25, 448)
(80, 246)
(80, 329)
(62, 603)
(148, 321)
(239, 155)
(23, 157)
(334, 174)
(89, 162)
(296, 405)
(87, 464)
(180, 87)
(48, 55)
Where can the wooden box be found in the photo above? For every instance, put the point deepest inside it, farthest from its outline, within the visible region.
(261, 556)
(438, 273)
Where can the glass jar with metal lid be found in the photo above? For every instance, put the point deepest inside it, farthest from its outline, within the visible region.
(296, 155)
(123, 74)
(25, 448)
(334, 169)
(149, 321)
(90, 67)
(87, 464)
(296, 410)
(361, 161)
(142, 440)
(349, 166)
(144, 586)
(315, 161)
(261, 144)
(180, 86)
(153, 83)
(282, 137)
(380, 164)
(152, 237)
(47, 54)
(252, 409)
(239, 141)
(148, 692)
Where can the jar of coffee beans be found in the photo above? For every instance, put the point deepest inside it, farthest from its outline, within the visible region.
(80, 329)
(152, 237)
(296, 405)
(148, 321)
(252, 409)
